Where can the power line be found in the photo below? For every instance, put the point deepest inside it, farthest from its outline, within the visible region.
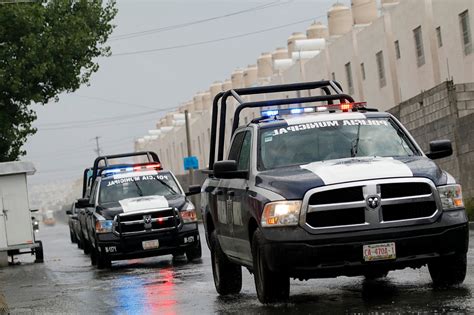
(113, 101)
(98, 122)
(186, 24)
(217, 39)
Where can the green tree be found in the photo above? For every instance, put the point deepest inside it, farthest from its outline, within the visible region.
(46, 48)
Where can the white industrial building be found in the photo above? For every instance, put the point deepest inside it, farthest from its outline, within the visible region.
(382, 53)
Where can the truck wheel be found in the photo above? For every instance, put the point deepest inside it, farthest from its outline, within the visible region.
(72, 237)
(450, 270)
(94, 255)
(271, 286)
(79, 243)
(86, 247)
(39, 257)
(103, 261)
(194, 252)
(227, 276)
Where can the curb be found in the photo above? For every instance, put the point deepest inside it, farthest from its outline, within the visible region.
(3, 305)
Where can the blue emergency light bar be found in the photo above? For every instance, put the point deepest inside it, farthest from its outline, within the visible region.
(132, 168)
(344, 107)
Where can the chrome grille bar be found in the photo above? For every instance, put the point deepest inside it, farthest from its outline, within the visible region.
(373, 215)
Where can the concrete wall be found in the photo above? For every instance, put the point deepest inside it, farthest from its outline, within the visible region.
(445, 112)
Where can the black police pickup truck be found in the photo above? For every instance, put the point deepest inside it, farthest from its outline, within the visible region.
(327, 189)
(138, 210)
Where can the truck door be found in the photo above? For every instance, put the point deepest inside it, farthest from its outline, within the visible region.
(224, 202)
(238, 195)
(16, 210)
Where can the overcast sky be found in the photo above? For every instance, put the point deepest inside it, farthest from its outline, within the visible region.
(122, 102)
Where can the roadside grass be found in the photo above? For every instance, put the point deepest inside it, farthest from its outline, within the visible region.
(469, 204)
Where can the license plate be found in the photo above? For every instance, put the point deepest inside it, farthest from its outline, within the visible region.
(383, 251)
(152, 244)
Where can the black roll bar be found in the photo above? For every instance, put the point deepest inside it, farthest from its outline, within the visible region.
(236, 93)
(152, 157)
(341, 97)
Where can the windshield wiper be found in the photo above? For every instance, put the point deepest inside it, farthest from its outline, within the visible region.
(355, 145)
(166, 185)
(139, 190)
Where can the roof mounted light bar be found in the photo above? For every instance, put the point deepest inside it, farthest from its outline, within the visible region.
(344, 107)
(125, 168)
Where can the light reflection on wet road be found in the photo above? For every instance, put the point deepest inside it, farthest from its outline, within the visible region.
(66, 283)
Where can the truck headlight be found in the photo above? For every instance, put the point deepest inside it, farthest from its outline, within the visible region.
(281, 213)
(104, 226)
(451, 197)
(189, 214)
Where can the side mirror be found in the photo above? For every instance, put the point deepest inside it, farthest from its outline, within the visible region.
(228, 169)
(193, 190)
(440, 149)
(69, 212)
(83, 203)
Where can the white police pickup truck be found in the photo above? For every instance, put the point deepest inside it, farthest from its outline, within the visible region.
(138, 210)
(325, 190)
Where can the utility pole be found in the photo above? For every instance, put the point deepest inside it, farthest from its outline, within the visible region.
(97, 150)
(188, 142)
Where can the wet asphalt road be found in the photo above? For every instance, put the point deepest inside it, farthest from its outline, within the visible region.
(67, 283)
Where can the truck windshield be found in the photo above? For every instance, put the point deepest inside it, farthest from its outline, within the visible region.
(123, 187)
(335, 139)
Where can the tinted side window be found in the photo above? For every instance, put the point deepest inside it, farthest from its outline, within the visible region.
(236, 145)
(244, 158)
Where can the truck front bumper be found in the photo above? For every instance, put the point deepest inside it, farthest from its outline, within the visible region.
(170, 242)
(303, 255)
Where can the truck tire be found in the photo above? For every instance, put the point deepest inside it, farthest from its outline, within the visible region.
(39, 256)
(103, 261)
(227, 275)
(450, 270)
(195, 252)
(86, 247)
(73, 240)
(271, 286)
(94, 255)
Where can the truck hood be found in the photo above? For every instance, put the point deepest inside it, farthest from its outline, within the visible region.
(293, 182)
(110, 210)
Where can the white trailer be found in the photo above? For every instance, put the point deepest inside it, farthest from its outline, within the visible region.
(16, 228)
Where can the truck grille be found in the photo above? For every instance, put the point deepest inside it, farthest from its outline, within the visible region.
(336, 217)
(147, 221)
(408, 211)
(397, 202)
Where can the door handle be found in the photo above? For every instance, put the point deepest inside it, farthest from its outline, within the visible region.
(231, 193)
